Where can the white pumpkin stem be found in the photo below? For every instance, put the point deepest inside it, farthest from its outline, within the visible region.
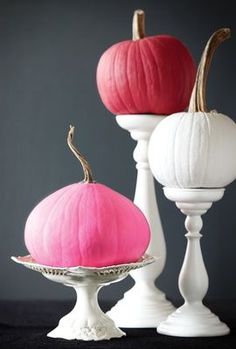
(198, 97)
(138, 25)
(84, 163)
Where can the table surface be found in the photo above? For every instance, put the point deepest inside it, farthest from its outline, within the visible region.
(25, 325)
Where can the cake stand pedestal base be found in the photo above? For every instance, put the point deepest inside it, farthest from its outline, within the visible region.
(86, 321)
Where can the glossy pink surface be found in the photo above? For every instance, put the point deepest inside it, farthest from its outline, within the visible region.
(86, 224)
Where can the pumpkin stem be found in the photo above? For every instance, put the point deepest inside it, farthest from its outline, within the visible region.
(84, 163)
(138, 25)
(198, 97)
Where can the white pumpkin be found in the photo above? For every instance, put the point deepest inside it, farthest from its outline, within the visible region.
(196, 149)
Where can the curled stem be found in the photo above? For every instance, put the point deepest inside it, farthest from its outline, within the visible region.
(198, 97)
(138, 25)
(88, 178)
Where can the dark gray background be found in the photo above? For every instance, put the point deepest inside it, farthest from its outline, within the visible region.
(48, 56)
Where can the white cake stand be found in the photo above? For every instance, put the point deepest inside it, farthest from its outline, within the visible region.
(86, 321)
(144, 305)
(193, 319)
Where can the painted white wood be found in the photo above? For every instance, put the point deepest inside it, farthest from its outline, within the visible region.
(184, 140)
(193, 319)
(144, 305)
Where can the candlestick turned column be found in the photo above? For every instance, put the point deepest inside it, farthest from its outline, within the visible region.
(193, 319)
(144, 305)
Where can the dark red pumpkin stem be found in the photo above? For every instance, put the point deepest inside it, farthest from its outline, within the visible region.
(198, 97)
(138, 25)
(88, 178)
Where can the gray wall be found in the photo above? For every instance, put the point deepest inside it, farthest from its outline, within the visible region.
(48, 56)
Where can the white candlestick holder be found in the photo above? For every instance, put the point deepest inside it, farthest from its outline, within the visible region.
(193, 319)
(144, 305)
(86, 321)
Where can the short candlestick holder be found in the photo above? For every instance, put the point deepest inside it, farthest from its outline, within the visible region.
(193, 319)
(86, 321)
(144, 305)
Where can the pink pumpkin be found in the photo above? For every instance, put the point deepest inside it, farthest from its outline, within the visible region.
(152, 75)
(86, 224)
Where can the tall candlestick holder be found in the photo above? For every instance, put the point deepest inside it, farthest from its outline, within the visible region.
(193, 319)
(144, 305)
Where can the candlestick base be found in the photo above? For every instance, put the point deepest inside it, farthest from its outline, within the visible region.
(193, 320)
(141, 308)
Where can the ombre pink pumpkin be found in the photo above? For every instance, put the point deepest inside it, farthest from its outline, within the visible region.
(153, 75)
(86, 224)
